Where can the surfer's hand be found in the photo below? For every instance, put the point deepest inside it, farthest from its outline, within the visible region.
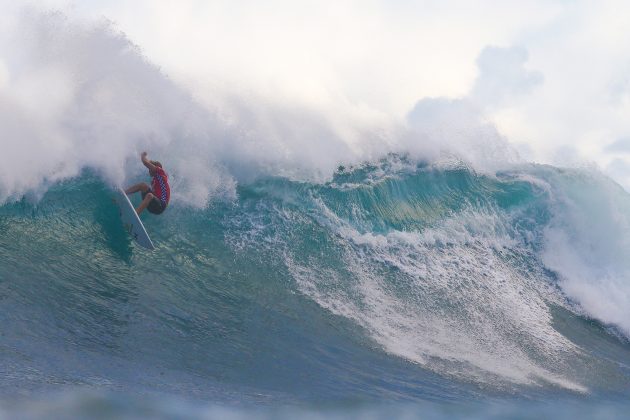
(143, 155)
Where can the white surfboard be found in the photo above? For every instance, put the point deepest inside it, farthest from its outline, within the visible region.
(131, 221)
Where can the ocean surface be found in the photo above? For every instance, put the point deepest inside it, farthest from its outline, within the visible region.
(395, 289)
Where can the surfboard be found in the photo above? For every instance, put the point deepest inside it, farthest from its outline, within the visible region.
(131, 221)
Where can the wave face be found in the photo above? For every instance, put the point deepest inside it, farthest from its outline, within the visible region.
(393, 281)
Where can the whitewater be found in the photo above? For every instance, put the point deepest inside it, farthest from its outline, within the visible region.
(304, 261)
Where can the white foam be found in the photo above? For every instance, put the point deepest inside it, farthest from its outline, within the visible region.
(80, 96)
(457, 304)
(588, 245)
(77, 94)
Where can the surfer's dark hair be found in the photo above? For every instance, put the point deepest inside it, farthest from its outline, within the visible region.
(156, 163)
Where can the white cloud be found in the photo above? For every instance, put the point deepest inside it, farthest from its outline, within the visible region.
(619, 146)
(383, 54)
(502, 76)
(582, 54)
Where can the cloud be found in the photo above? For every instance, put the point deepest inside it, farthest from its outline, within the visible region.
(342, 57)
(622, 145)
(503, 76)
(461, 125)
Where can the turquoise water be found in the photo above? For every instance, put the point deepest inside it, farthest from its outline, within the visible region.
(395, 288)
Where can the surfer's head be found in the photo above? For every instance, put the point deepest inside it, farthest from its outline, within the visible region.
(155, 163)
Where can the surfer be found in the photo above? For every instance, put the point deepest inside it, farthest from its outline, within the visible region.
(155, 198)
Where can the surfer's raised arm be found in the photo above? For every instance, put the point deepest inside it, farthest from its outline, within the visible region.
(146, 162)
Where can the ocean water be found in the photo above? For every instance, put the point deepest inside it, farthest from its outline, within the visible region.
(396, 288)
(434, 274)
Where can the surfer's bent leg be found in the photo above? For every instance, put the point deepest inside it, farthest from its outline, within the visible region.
(145, 202)
(143, 186)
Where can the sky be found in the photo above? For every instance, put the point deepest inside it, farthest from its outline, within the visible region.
(553, 77)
